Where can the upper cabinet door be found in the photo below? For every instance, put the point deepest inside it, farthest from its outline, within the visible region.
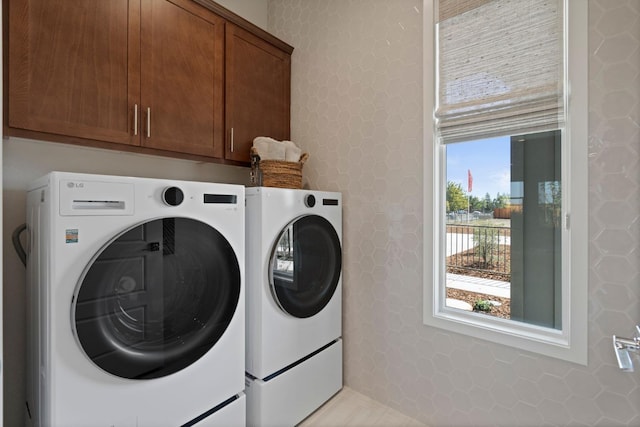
(182, 78)
(73, 67)
(258, 91)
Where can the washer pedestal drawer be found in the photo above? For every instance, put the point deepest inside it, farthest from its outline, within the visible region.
(288, 398)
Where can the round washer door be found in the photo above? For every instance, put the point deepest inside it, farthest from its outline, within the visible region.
(305, 266)
(156, 298)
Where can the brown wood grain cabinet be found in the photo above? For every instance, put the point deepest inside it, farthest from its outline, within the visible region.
(170, 77)
(181, 80)
(72, 67)
(258, 92)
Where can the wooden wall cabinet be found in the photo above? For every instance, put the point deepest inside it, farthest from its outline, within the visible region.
(74, 67)
(182, 72)
(153, 76)
(258, 92)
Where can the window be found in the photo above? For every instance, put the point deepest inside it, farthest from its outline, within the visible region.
(506, 172)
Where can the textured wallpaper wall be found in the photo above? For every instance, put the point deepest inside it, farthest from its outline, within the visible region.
(357, 109)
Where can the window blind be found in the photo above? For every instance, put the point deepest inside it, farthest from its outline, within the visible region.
(500, 67)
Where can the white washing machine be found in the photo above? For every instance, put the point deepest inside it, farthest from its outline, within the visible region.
(136, 302)
(294, 303)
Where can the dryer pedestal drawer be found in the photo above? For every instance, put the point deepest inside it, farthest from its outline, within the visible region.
(287, 399)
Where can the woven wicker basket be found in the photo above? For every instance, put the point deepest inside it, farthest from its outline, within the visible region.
(277, 173)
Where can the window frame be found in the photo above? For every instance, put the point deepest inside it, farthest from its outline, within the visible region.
(569, 343)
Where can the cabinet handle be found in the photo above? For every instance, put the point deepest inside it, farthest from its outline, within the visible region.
(232, 140)
(135, 119)
(148, 122)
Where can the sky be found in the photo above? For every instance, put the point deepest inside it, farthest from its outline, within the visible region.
(489, 161)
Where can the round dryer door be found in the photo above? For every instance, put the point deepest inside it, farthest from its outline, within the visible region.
(305, 266)
(157, 298)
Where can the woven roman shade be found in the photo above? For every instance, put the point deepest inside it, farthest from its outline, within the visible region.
(451, 8)
(500, 68)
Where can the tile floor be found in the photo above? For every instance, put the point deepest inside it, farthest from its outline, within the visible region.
(350, 408)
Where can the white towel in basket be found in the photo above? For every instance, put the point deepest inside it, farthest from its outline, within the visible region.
(269, 148)
(292, 152)
(272, 149)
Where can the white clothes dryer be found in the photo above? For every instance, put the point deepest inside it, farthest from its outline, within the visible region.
(136, 302)
(294, 303)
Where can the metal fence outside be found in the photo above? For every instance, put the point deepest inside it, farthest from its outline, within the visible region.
(479, 248)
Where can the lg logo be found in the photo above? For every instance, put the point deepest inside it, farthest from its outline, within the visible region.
(75, 185)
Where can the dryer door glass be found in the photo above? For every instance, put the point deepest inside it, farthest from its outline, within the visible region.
(305, 266)
(157, 298)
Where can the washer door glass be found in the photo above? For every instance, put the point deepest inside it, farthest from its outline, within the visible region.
(305, 266)
(157, 298)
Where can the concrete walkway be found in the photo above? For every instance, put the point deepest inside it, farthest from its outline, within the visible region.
(476, 284)
(458, 242)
